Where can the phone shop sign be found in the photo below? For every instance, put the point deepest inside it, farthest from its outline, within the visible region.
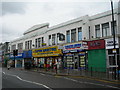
(110, 44)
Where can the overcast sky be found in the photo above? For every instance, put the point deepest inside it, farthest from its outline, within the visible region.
(18, 16)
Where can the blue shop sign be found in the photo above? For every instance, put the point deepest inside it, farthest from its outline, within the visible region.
(27, 54)
(73, 46)
(70, 51)
(19, 56)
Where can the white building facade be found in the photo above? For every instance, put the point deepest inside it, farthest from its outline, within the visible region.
(42, 37)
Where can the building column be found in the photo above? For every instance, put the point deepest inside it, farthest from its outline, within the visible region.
(15, 63)
(23, 63)
(101, 33)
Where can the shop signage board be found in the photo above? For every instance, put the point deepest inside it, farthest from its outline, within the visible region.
(48, 51)
(75, 46)
(109, 43)
(20, 55)
(27, 54)
(96, 44)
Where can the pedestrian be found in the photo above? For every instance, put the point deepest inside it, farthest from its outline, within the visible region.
(8, 65)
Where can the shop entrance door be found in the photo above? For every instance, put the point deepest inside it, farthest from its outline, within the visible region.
(112, 61)
(112, 66)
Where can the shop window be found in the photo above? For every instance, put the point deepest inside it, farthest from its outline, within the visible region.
(73, 35)
(97, 31)
(68, 36)
(111, 60)
(79, 33)
(105, 30)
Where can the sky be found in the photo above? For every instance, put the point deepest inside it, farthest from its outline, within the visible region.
(17, 16)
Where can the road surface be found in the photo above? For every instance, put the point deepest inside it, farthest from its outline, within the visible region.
(15, 78)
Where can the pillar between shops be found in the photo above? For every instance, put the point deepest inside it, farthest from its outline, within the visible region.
(23, 63)
(15, 63)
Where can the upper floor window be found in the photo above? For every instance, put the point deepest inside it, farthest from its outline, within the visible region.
(13, 47)
(36, 43)
(20, 46)
(25, 44)
(73, 35)
(39, 42)
(105, 29)
(28, 44)
(49, 40)
(115, 27)
(42, 39)
(53, 39)
(97, 31)
(79, 33)
(68, 36)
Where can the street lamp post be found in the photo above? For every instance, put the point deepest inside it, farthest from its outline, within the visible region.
(114, 43)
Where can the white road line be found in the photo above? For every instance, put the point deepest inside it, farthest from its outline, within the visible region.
(3, 72)
(91, 83)
(29, 81)
(42, 74)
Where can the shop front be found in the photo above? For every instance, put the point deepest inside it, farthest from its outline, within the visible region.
(17, 60)
(75, 55)
(111, 52)
(27, 55)
(48, 56)
(96, 55)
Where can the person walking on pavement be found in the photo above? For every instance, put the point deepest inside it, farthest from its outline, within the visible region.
(8, 65)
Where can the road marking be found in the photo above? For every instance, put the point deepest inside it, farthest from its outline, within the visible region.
(42, 74)
(3, 72)
(91, 83)
(29, 81)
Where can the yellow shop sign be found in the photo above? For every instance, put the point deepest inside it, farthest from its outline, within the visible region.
(45, 52)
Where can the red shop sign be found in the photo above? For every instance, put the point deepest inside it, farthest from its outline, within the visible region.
(96, 44)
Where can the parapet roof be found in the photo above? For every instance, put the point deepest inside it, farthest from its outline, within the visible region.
(36, 27)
